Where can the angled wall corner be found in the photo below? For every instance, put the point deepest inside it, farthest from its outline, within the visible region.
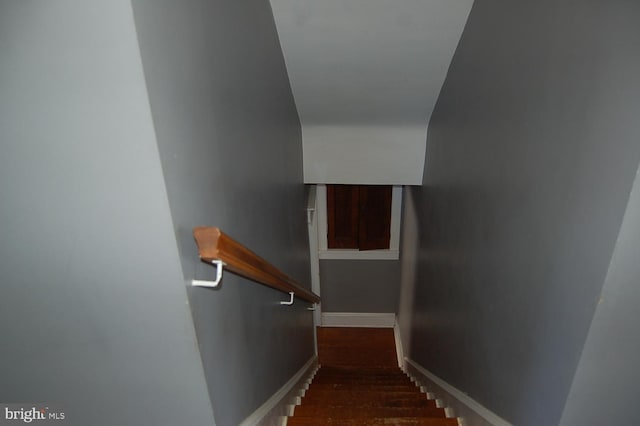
(605, 385)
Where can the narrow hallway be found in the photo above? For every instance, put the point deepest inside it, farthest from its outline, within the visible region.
(509, 133)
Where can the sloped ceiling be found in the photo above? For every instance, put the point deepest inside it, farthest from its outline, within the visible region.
(365, 75)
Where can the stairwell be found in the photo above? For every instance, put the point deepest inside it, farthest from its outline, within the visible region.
(359, 383)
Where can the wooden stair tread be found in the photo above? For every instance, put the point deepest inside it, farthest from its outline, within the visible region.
(362, 376)
(358, 387)
(372, 421)
(355, 372)
(346, 369)
(365, 412)
(333, 405)
(363, 373)
(364, 379)
(329, 367)
(344, 398)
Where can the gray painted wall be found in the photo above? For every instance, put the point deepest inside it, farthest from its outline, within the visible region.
(605, 386)
(409, 249)
(93, 307)
(231, 150)
(359, 285)
(532, 151)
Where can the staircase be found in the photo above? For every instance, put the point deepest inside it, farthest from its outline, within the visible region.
(359, 383)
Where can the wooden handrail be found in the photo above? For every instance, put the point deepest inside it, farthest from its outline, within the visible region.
(213, 244)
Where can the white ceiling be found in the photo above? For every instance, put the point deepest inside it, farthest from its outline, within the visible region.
(357, 65)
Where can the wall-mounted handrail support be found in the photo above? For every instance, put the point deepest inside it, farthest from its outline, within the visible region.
(213, 284)
(290, 302)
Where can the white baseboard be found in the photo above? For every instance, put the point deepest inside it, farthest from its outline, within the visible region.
(357, 319)
(466, 408)
(399, 350)
(274, 411)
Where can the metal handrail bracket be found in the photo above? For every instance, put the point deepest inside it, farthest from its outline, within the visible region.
(290, 302)
(211, 284)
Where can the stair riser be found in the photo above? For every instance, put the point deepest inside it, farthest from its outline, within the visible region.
(398, 421)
